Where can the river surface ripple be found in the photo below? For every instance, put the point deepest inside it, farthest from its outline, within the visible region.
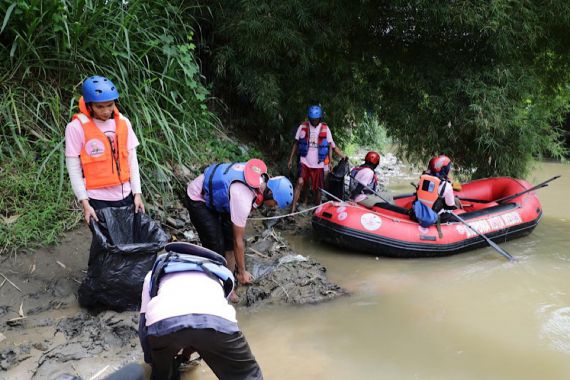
(469, 316)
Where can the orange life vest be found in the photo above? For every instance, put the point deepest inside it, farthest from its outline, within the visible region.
(429, 190)
(103, 165)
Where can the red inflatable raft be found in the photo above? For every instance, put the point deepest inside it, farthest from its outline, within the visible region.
(387, 229)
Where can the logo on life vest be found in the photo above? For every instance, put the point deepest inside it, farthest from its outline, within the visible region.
(94, 148)
(371, 222)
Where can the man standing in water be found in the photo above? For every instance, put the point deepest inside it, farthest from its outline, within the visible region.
(313, 143)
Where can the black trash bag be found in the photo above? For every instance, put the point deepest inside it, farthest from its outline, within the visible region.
(336, 185)
(123, 251)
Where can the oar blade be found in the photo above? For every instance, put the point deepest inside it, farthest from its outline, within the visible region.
(489, 241)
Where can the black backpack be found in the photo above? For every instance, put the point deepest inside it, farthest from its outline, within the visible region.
(336, 179)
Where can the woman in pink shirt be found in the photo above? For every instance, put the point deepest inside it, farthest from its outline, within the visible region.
(100, 151)
(220, 200)
(363, 180)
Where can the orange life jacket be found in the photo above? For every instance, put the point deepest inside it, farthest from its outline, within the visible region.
(102, 168)
(429, 189)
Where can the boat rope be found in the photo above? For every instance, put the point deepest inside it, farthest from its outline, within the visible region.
(290, 214)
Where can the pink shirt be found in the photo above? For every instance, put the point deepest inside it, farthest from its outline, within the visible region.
(448, 195)
(363, 176)
(241, 199)
(185, 293)
(74, 140)
(311, 160)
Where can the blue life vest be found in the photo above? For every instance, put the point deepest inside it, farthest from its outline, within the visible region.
(217, 181)
(323, 144)
(172, 262)
(354, 183)
(425, 215)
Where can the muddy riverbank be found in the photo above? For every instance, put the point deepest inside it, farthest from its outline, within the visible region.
(44, 333)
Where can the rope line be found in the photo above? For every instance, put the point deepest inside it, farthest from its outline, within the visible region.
(290, 214)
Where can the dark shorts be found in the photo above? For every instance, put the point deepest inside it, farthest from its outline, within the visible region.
(98, 204)
(316, 176)
(228, 355)
(214, 229)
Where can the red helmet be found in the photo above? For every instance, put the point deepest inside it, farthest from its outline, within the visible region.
(441, 165)
(372, 157)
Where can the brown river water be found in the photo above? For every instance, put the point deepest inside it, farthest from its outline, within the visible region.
(469, 316)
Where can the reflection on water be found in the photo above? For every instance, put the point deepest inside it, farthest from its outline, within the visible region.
(470, 316)
(556, 329)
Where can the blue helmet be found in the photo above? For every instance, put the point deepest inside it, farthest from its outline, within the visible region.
(282, 190)
(315, 112)
(98, 89)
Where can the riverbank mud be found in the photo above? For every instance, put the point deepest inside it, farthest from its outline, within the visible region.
(44, 333)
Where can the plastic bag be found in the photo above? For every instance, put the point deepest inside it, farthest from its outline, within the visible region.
(425, 216)
(123, 251)
(336, 185)
(341, 169)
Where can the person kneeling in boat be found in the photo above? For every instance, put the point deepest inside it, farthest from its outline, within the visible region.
(220, 200)
(435, 190)
(184, 309)
(363, 179)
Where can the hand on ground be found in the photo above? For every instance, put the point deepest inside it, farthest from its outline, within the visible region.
(233, 297)
(244, 278)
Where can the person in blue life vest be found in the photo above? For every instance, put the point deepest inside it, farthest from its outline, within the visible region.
(185, 309)
(363, 179)
(220, 200)
(435, 189)
(314, 144)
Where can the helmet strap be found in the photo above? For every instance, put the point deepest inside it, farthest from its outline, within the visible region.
(258, 201)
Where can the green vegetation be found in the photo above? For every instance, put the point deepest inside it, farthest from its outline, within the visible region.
(486, 82)
(46, 49)
(34, 208)
(368, 133)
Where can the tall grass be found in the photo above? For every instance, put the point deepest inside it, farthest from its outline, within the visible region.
(46, 49)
